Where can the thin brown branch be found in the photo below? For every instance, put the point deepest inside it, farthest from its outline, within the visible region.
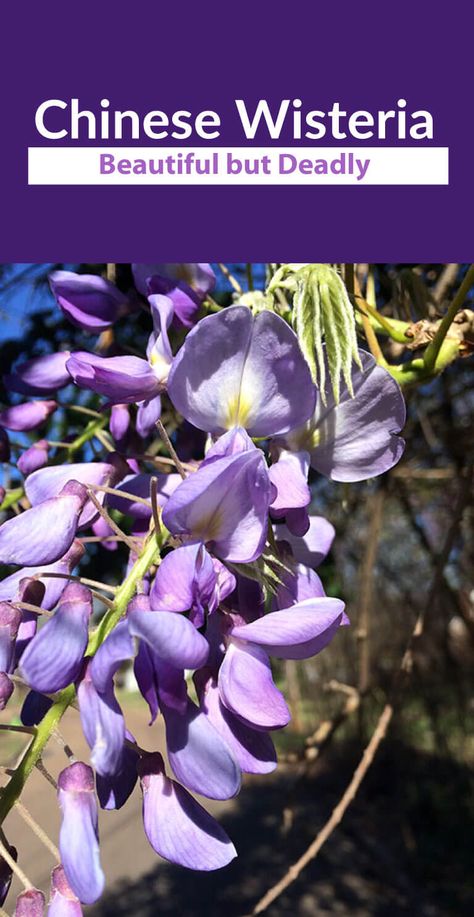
(110, 522)
(171, 449)
(37, 829)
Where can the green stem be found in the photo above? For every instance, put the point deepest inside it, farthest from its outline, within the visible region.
(433, 349)
(392, 327)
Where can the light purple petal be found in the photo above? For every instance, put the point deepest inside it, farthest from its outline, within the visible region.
(27, 416)
(357, 439)
(171, 636)
(63, 901)
(53, 658)
(253, 750)
(298, 584)
(48, 482)
(246, 687)
(78, 837)
(297, 632)
(231, 443)
(40, 376)
(119, 421)
(146, 677)
(147, 415)
(89, 301)
(159, 353)
(184, 580)
(290, 477)
(315, 544)
(122, 380)
(224, 504)
(113, 791)
(116, 649)
(200, 277)
(43, 534)
(6, 690)
(236, 369)
(34, 457)
(200, 758)
(103, 727)
(177, 827)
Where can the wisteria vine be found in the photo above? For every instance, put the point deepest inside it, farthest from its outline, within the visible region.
(219, 551)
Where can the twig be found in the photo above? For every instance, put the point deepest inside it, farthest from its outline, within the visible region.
(383, 722)
(230, 277)
(154, 505)
(110, 522)
(14, 866)
(78, 579)
(115, 492)
(171, 449)
(45, 773)
(37, 829)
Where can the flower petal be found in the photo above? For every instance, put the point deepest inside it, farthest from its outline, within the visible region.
(53, 587)
(247, 689)
(184, 580)
(225, 504)
(297, 632)
(78, 837)
(48, 482)
(54, 656)
(40, 376)
(177, 827)
(235, 369)
(44, 533)
(122, 380)
(63, 901)
(27, 416)
(89, 301)
(358, 437)
(316, 543)
(171, 636)
(198, 755)
(253, 750)
(290, 477)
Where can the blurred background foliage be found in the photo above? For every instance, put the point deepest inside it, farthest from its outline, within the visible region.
(404, 545)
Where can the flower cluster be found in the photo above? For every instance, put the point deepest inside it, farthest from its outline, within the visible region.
(220, 554)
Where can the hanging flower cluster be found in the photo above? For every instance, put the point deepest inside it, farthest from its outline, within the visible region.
(220, 577)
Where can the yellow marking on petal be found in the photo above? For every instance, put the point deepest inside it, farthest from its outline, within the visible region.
(160, 366)
(209, 527)
(238, 411)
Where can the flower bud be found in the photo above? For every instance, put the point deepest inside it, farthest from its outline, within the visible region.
(79, 836)
(34, 457)
(30, 903)
(27, 416)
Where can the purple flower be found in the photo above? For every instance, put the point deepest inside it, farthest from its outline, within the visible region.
(101, 716)
(79, 837)
(119, 421)
(34, 457)
(43, 534)
(47, 483)
(54, 587)
(129, 379)
(245, 681)
(114, 790)
(186, 581)
(236, 369)
(224, 505)
(40, 376)
(177, 827)
(30, 903)
(316, 543)
(27, 416)
(10, 619)
(199, 277)
(357, 438)
(170, 636)
(289, 475)
(63, 902)
(54, 656)
(253, 750)
(89, 301)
